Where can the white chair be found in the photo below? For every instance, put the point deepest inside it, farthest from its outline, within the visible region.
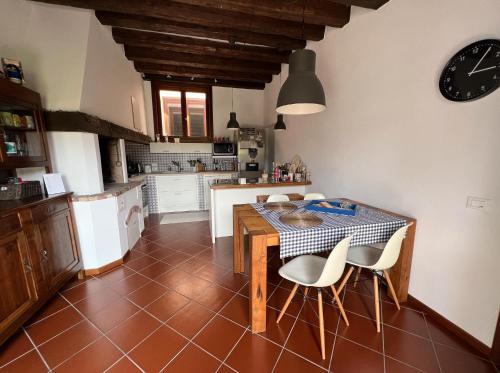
(311, 196)
(375, 259)
(278, 198)
(319, 272)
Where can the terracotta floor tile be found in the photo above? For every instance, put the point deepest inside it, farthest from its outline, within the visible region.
(253, 354)
(94, 358)
(162, 253)
(406, 319)
(68, 343)
(193, 359)
(232, 281)
(215, 297)
(394, 366)
(442, 336)
(124, 365)
(291, 363)
(277, 333)
(192, 265)
(349, 357)
(192, 287)
(455, 361)
(132, 255)
(141, 262)
(219, 337)
(279, 298)
(331, 314)
(130, 284)
(114, 275)
(211, 272)
(83, 290)
(75, 281)
(113, 314)
(361, 330)
(133, 330)
(53, 325)
(237, 310)
(191, 319)
(158, 349)
(31, 362)
(97, 301)
(305, 341)
(15, 346)
(413, 350)
(57, 303)
(360, 304)
(147, 294)
(155, 270)
(172, 278)
(176, 259)
(167, 305)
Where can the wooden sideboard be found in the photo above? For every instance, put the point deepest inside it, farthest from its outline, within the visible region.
(38, 255)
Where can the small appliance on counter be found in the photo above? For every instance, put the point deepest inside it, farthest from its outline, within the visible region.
(16, 189)
(223, 149)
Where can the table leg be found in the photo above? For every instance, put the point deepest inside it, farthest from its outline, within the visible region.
(238, 244)
(258, 281)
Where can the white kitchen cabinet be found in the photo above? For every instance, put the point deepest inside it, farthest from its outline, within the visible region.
(207, 178)
(172, 147)
(177, 193)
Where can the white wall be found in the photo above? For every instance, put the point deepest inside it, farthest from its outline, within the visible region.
(390, 139)
(248, 105)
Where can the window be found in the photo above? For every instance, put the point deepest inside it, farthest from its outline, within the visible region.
(183, 111)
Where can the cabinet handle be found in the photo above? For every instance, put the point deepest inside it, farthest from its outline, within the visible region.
(27, 268)
(45, 254)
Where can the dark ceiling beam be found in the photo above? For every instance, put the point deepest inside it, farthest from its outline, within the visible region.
(204, 82)
(193, 60)
(371, 4)
(205, 47)
(187, 71)
(208, 17)
(317, 12)
(222, 33)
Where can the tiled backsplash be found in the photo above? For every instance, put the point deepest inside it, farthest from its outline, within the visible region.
(140, 153)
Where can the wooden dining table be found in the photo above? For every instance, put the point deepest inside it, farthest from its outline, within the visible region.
(262, 235)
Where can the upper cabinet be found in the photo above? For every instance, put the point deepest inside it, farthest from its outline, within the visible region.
(173, 147)
(22, 132)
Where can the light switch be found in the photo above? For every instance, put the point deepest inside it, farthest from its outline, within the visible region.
(477, 202)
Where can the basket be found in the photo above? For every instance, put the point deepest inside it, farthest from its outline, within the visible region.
(20, 190)
(336, 208)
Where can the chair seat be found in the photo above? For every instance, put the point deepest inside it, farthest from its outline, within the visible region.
(304, 270)
(363, 256)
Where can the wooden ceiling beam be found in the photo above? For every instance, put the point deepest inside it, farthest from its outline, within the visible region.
(222, 33)
(370, 4)
(204, 82)
(317, 12)
(193, 60)
(208, 17)
(205, 47)
(187, 71)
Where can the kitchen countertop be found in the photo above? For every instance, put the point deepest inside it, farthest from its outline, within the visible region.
(235, 184)
(168, 173)
(7, 207)
(110, 191)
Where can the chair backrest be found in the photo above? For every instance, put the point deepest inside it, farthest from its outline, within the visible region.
(391, 250)
(335, 264)
(278, 198)
(311, 196)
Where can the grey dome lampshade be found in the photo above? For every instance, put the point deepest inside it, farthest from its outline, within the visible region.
(302, 92)
(280, 124)
(233, 123)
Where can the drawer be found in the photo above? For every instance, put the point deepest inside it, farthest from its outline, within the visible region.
(184, 196)
(46, 210)
(174, 206)
(175, 183)
(9, 224)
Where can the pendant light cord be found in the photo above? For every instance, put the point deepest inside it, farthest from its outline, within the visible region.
(303, 16)
(232, 99)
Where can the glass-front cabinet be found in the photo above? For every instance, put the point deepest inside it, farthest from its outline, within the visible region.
(22, 132)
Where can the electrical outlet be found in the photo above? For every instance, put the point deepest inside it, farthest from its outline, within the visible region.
(479, 203)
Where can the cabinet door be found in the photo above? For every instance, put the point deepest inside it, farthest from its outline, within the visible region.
(17, 285)
(59, 253)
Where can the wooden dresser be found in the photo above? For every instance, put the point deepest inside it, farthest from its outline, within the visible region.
(38, 255)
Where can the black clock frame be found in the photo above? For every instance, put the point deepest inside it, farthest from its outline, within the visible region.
(452, 61)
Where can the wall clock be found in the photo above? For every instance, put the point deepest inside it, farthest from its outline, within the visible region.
(473, 72)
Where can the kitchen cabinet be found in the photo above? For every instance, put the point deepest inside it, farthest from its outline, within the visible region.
(207, 179)
(39, 254)
(173, 147)
(177, 193)
(23, 140)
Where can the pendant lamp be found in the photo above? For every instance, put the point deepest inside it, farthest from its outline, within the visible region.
(302, 92)
(280, 124)
(233, 123)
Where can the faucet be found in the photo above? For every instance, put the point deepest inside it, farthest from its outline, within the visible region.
(177, 164)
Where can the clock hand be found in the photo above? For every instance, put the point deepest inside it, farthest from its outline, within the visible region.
(485, 69)
(481, 60)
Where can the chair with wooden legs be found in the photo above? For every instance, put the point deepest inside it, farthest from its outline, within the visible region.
(312, 196)
(375, 259)
(318, 272)
(278, 198)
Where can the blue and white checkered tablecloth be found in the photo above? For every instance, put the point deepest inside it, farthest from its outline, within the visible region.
(371, 226)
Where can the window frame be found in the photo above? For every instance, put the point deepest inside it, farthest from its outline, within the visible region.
(157, 86)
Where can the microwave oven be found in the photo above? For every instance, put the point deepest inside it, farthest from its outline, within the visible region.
(224, 148)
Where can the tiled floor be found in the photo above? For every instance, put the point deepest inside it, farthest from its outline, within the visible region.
(176, 306)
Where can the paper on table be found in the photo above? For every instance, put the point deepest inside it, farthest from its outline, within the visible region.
(54, 183)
